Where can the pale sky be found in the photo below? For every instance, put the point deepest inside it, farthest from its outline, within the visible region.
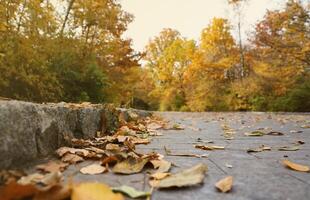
(189, 17)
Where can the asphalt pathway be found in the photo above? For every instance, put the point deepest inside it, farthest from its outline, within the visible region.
(257, 176)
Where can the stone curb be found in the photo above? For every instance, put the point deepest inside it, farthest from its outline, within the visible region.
(29, 130)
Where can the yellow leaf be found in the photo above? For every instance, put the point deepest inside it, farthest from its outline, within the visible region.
(296, 167)
(93, 169)
(225, 184)
(93, 191)
(159, 175)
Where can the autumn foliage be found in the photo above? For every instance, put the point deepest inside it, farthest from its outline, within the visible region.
(74, 51)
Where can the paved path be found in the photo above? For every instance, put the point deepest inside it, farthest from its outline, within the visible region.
(257, 176)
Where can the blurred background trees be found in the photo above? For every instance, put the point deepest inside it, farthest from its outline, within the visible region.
(74, 51)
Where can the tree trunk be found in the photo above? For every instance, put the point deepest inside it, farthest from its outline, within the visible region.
(66, 17)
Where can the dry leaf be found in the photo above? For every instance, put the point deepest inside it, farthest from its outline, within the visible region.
(136, 140)
(177, 127)
(286, 148)
(259, 149)
(159, 175)
(188, 177)
(275, 133)
(210, 148)
(153, 126)
(71, 158)
(255, 133)
(93, 169)
(131, 192)
(109, 159)
(228, 165)
(63, 150)
(296, 167)
(55, 193)
(161, 165)
(112, 147)
(225, 184)
(94, 191)
(43, 182)
(130, 166)
(14, 191)
(52, 166)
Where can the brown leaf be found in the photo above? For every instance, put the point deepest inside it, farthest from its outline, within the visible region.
(286, 148)
(94, 191)
(14, 191)
(225, 184)
(255, 134)
(188, 177)
(296, 167)
(275, 133)
(56, 193)
(93, 169)
(52, 166)
(112, 147)
(109, 159)
(136, 140)
(259, 149)
(210, 148)
(71, 158)
(63, 150)
(161, 165)
(130, 166)
(159, 175)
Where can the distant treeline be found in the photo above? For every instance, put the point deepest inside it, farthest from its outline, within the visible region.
(75, 52)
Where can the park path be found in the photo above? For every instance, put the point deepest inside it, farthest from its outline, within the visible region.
(257, 176)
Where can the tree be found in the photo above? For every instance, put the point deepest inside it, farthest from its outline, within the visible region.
(205, 78)
(238, 8)
(168, 56)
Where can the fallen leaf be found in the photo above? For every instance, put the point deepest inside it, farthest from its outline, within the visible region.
(188, 177)
(205, 147)
(131, 192)
(275, 133)
(154, 126)
(296, 167)
(177, 127)
(56, 193)
(49, 180)
(286, 148)
(94, 191)
(154, 183)
(43, 182)
(299, 142)
(93, 169)
(159, 175)
(294, 131)
(259, 149)
(140, 141)
(52, 166)
(7, 176)
(14, 191)
(71, 158)
(30, 179)
(225, 184)
(112, 147)
(109, 159)
(305, 126)
(255, 133)
(130, 166)
(161, 165)
(63, 150)
(228, 165)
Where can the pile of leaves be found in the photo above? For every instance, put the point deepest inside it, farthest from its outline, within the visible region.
(108, 154)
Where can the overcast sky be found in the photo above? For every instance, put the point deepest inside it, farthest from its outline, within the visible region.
(189, 17)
